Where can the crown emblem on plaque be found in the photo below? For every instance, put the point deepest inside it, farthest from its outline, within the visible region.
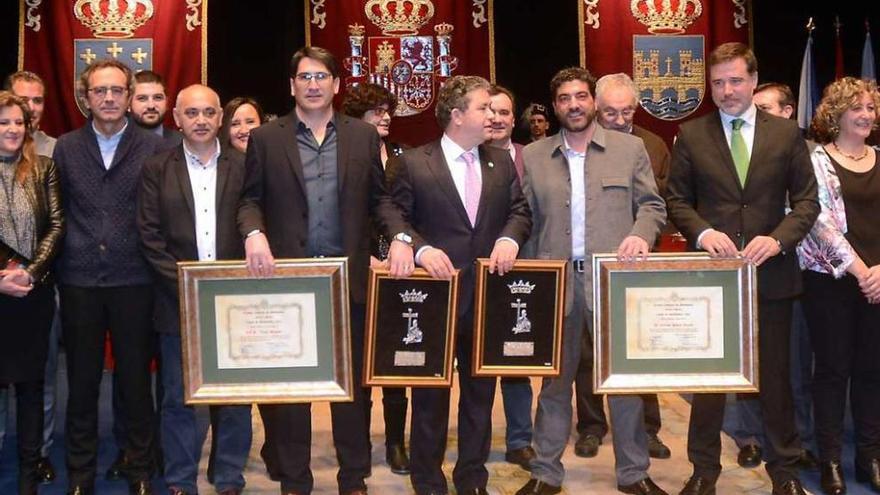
(413, 296)
(113, 18)
(666, 16)
(399, 17)
(521, 287)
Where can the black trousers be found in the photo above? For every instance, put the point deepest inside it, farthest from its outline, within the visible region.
(591, 419)
(845, 332)
(288, 430)
(781, 446)
(394, 406)
(29, 428)
(430, 425)
(86, 314)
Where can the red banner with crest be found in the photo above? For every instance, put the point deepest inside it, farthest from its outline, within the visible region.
(408, 46)
(58, 39)
(662, 45)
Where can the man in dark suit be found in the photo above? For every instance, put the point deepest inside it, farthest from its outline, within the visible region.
(104, 282)
(187, 208)
(461, 200)
(733, 174)
(312, 179)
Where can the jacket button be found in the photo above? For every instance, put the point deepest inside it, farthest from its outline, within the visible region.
(102, 247)
(745, 206)
(739, 234)
(567, 231)
(567, 203)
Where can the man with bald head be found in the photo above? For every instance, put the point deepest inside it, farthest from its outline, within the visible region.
(187, 206)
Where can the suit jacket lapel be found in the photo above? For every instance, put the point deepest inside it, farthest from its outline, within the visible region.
(716, 132)
(436, 163)
(222, 175)
(342, 150)
(182, 173)
(487, 169)
(758, 144)
(291, 149)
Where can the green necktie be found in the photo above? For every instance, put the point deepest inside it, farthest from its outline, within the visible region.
(738, 150)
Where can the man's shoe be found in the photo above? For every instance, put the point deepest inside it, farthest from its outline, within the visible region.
(587, 445)
(398, 461)
(656, 448)
(698, 485)
(173, 490)
(230, 491)
(116, 471)
(749, 456)
(807, 460)
(80, 490)
(870, 475)
(536, 487)
(831, 478)
(45, 471)
(141, 487)
(474, 491)
(355, 492)
(522, 456)
(790, 487)
(643, 487)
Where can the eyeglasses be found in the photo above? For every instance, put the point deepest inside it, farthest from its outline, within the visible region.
(102, 91)
(612, 114)
(312, 76)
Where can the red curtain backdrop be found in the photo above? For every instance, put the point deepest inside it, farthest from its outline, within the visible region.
(59, 37)
(408, 46)
(614, 30)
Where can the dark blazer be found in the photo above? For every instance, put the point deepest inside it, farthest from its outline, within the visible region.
(435, 215)
(274, 196)
(166, 222)
(704, 192)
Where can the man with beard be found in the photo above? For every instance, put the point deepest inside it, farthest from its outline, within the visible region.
(149, 104)
(590, 191)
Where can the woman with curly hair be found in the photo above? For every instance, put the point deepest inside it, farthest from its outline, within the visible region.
(31, 224)
(841, 262)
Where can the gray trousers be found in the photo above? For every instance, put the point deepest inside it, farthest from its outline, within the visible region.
(554, 415)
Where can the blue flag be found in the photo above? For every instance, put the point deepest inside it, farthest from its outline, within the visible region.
(868, 71)
(808, 91)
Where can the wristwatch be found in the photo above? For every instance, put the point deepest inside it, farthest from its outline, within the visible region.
(404, 237)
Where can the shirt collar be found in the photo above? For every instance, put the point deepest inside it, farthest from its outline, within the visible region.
(114, 136)
(193, 158)
(748, 116)
(451, 148)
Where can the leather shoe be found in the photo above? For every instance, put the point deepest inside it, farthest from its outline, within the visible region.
(697, 485)
(536, 487)
(141, 487)
(869, 474)
(359, 491)
(173, 490)
(831, 478)
(587, 445)
(45, 470)
(80, 490)
(230, 491)
(474, 491)
(116, 471)
(643, 487)
(749, 456)
(522, 456)
(398, 461)
(656, 448)
(807, 460)
(790, 487)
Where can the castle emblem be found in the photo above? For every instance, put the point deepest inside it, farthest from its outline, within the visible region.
(669, 71)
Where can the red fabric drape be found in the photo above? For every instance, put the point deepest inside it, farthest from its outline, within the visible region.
(612, 33)
(410, 57)
(171, 36)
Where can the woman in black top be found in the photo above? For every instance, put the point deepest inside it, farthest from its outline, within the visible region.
(31, 224)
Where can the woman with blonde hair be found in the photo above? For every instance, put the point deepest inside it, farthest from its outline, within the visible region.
(841, 262)
(31, 225)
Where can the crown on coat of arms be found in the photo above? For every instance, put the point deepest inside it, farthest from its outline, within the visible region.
(521, 287)
(413, 296)
(399, 17)
(113, 18)
(444, 29)
(666, 16)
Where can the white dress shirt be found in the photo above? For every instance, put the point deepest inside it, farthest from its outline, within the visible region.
(203, 180)
(576, 171)
(108, 144)
(457, 166)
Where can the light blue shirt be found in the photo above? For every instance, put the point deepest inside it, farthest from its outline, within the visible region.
(108, 144)
(576, 171)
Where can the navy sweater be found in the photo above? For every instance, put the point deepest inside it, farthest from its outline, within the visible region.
(101, 245)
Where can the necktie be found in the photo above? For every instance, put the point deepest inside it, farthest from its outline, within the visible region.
(738, 150)
(472, 186)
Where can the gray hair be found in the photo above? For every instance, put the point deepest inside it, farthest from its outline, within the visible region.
(620, 80)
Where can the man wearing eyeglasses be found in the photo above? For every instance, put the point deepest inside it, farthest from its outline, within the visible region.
(104, 281)
(312, 180)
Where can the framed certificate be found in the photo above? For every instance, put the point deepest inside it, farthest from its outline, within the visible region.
(518, 319)
(410, 330)
(281, 339)
(677, 322)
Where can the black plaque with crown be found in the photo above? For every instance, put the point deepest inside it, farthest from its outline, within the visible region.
(410, 330)
(518, 319)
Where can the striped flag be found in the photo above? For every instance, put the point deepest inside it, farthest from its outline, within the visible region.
(808, 91)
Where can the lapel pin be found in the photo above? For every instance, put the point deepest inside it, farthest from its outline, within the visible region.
(491, 165)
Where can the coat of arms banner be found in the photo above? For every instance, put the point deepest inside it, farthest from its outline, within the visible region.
(408, 46)
(60, 39)
(663, 46)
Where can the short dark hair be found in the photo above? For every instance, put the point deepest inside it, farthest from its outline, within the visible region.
(732, 51)
(23, 75)
(454, 94)
(497, 89)
(107, 63)
(316, 53)
(367, 96)
(572, 74)
(786, 95)
(229, 112)
(148, 76)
